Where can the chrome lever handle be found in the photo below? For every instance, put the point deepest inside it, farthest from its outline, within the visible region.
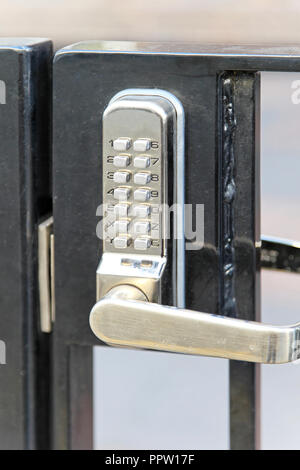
(124, 317)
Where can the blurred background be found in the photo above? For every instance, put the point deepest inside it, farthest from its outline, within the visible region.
(153, 400)
(67, 21)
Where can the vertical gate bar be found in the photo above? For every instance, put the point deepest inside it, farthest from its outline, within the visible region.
(239, 238)
(25, 112)
(81, 397)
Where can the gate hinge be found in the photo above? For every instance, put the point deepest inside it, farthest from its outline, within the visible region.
(46, 274)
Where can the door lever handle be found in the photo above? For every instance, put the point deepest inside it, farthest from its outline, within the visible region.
(125, 318)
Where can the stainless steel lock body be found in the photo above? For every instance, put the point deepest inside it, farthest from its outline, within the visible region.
(143, 181)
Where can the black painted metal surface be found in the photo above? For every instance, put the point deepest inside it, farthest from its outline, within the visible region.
(25, 196)
(83, 85)
(240, 235)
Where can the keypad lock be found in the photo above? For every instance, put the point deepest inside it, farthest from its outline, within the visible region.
(143, 179)
(143, 175)
(137, 133)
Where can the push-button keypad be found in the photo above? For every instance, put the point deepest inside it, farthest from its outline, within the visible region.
(134, 165)
(130, 226)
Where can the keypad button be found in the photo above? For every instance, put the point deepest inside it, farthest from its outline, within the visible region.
(142, 243)
(142, 210)
(142, 178)
(121, 226)
(121, 144)
(141, 228)
(141, 195)
(121, 242)
(121, 210)
(141, 162)
(121, 161)
(121, 177)
(122, 194)
(142, 145)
